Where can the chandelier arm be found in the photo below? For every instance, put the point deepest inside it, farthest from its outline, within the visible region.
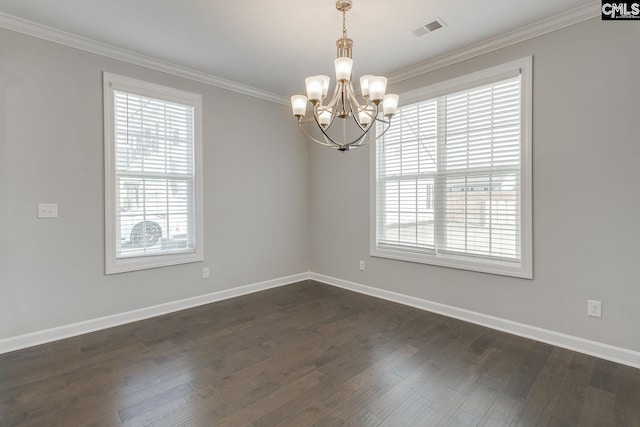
(372, 116)
(330, 140)
(354, 114)
(366, 108)
(316, 116)
(364, 129)
(330, 107)
(332, 144)
(363, 140)
(383, 121)
(356, 101)
(303, 120)
(358, 141)
(323, 129)
(334, 99)
(388, 123)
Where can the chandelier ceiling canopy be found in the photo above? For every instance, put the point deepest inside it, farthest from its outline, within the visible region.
(344, 103)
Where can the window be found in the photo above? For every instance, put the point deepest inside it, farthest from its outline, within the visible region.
(451, 177)
(153, 179)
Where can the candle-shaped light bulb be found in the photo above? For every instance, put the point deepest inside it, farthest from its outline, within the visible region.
(377, 88)
(390, 104)
(324, 118)
(365, 116)
(325, 85)
(314, 88)
(343, 68)
(299, 105)
(364, 85)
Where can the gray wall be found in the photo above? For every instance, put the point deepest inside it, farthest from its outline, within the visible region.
(586, 213)
(262, 193)
(51, 150)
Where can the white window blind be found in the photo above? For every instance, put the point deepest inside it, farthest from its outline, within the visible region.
(479, 172)
(448, 179)
(153, 177)
(407, 170)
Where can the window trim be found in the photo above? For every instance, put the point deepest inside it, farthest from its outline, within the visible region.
(524, 269)
(113, 264)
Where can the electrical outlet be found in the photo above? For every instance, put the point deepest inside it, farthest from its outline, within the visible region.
(361, 265)
(594, 308)
(205, 272)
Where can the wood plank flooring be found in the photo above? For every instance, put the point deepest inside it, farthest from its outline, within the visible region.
(310, 354)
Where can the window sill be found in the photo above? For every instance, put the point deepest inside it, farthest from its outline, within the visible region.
(122, 265)
(521, 270)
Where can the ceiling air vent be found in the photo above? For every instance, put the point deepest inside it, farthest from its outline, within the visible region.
(429, 27)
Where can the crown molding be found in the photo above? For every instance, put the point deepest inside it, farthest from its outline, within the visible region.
(30, 28)
(527, 32)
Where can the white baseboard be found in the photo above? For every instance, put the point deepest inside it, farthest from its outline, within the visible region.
(79, 328)
(592, 348)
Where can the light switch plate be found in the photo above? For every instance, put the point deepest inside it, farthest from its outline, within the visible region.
(47, 210)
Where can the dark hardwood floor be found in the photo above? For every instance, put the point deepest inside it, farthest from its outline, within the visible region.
(311, 354)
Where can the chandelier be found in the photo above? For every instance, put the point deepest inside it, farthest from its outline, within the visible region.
(344, 103)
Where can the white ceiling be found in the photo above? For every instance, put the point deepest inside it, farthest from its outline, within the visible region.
(273, 46)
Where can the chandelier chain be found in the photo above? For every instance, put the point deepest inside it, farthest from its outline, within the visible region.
(344, 24)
